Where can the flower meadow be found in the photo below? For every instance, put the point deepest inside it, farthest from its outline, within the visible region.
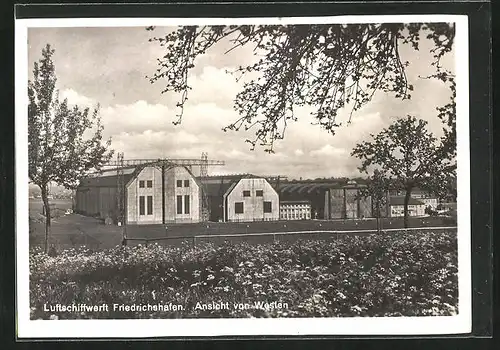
(396, 274)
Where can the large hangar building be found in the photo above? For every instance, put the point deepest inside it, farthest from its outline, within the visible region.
(159, 195)
(240, 198)
(151, 195)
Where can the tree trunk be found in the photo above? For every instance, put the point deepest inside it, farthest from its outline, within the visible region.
(377, 213)
(46, 207)
(406, 202)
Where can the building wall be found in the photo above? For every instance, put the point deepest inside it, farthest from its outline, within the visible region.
(107, 202)
(425, 197)
(215, 205)
(429, 202)
(253, 206)
(88, 201)
(413, 210)
(342, 203)
(351, 204)
(173, 175)
(134, 192)
(295, 211)
(365, 207)
(334, 203)
(170, 197)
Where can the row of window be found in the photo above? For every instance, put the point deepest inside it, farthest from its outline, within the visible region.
(239, 207)
(149, 183)
(296, 216)
(295, 208)
(180, 182)
(400, 211)
(258, 193)
(146, 205)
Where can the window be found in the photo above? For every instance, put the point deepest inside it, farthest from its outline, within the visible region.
(246, 193)
(179, 204)
(186, 204)
(150, 205)
(141, 184)
(259, 193)
(179, 183)
(268, 207)
(238, 208)
(186, 183)
(149, 183)
(141, 205)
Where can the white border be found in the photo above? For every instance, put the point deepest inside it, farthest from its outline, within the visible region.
(26, 328)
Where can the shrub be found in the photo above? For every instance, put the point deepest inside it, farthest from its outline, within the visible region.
(376, 275)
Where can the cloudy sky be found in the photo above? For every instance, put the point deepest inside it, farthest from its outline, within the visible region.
(109, 66)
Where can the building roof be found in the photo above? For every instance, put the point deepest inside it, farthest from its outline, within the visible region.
(294, 188)
(217, 186)
(291, 188)
(114, 171)
(229, 177)
(109, 178)
(400, 200)
(104, 181)
(216, 189)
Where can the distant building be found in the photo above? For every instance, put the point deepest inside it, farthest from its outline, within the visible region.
(429, 199)
(295, 210)
(329, 199)
(346, 202)
(151, 195)
(396, 205)
(240, 198)
(313, 192)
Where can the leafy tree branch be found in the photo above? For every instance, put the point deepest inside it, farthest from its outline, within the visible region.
(329, 67)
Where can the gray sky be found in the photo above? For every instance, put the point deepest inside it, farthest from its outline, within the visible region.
(109, 65)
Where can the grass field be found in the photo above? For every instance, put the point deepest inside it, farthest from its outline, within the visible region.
(36, 205)
(75, 230)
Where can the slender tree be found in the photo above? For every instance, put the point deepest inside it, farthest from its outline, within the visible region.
(376, 189)
(59, 150)
(410, 156)
(326, 66)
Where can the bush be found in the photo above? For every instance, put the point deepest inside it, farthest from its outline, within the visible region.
(376, 275)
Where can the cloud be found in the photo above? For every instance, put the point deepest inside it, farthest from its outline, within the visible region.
(74, 98)
(109, 65)
(328, 150)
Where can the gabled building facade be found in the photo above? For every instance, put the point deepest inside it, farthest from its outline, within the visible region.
(151, 195)
(240, 198)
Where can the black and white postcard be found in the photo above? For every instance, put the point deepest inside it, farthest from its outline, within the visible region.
(187, 177)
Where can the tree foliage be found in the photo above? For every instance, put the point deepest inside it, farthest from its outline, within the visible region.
(64, 142)
(330, 67)
(376, 188)
(409, 156)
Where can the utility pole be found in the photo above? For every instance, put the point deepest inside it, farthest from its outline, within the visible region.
(204, 197)
(204, 164)
(120, 197)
